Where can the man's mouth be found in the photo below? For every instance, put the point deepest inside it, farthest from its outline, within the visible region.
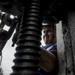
(47, 36)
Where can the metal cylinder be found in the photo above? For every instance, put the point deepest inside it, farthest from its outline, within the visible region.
(28, 41)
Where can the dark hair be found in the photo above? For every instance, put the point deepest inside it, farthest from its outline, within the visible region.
(47, 21)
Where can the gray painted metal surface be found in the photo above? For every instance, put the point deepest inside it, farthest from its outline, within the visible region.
(60, 50)
(71, 23)
(66, 45)
(68, 49)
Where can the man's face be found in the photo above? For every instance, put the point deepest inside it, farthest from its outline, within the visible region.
(48, 34)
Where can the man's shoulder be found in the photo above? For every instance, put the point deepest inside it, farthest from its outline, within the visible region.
(53, 48)
(49, 45)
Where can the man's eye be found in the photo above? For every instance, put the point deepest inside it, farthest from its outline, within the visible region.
(49, 31)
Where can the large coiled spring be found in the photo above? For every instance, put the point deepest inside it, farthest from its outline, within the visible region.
(28, 41)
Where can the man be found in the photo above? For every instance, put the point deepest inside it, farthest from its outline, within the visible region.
(48, 54)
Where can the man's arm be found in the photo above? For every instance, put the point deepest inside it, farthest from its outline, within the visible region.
(47, 60)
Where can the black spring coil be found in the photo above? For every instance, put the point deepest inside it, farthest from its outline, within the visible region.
(28, 42)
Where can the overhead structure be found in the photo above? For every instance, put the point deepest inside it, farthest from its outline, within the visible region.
(28, 15)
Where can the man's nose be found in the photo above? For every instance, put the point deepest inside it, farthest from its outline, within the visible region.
(46, 33)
